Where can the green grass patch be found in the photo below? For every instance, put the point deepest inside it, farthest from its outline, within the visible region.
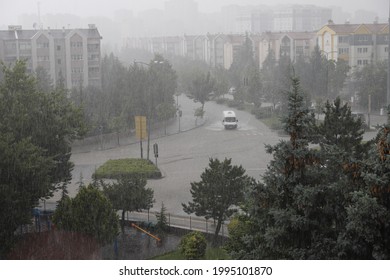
(211, 254)
(117, 168)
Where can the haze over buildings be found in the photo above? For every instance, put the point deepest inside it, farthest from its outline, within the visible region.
(120, 19)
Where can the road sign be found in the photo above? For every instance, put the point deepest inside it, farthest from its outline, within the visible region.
(155, 150)
(140, 127)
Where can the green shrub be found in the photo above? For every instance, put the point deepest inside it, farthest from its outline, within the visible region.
(193, 246)
(115, 169)
(222, 100)
(236, 104)
(261, 113)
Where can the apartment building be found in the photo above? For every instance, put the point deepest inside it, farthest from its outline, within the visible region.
(221, 49)
(358, 44)
(290, 44)
(72, 55)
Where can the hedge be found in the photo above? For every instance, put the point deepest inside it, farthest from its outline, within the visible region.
(117, 168)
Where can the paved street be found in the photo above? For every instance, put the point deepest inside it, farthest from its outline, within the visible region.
(184, 156)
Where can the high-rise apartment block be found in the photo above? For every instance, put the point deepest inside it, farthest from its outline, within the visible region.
(70, 55)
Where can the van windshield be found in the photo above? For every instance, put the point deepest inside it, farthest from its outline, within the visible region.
(230, 119)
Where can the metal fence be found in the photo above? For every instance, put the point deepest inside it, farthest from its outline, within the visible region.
(178, 221)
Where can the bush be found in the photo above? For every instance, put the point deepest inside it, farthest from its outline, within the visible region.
(236, 104)
(261, 113)
(115, 169)
(193, 246)
(222, 100)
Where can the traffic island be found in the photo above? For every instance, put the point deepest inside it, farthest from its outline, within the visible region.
(128, 167)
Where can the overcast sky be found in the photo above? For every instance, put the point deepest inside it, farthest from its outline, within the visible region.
(11, 9)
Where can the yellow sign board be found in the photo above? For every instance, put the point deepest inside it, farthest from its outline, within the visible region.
(140, 127)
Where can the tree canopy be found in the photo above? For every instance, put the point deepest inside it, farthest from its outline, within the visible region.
(89, 212)
(326, 203)
(37, 128)
(222, 187)
(129, 194)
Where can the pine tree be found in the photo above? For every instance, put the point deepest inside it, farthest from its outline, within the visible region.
(222, 186)
(367, 234)
(162, 220)
(288, 212)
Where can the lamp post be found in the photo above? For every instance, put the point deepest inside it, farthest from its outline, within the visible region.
(327, 71)
(149, 104)
(388, 63)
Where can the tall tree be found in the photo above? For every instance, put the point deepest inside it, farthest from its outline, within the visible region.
(367, 233)
(89, 212)
(37, 131)
(340, 128)
(44, 82)
(288, 212)
(372, 80)
(222, 187)
(129, 194)
(201, 88)
(243, 63)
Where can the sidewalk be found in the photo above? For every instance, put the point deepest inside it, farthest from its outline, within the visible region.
(182, 222)
(174, 126)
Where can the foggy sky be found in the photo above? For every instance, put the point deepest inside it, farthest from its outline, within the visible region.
(10, 10)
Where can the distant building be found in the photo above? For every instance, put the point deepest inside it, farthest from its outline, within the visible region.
(259, 19)
(358, 44)
(72, 55)
(300, 18)
(290, 44)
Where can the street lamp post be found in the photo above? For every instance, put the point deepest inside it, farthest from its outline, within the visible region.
(150, 99)
(327, 71)
(388, 63)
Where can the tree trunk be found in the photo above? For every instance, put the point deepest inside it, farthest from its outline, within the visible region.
(217, 229)
(123, 222)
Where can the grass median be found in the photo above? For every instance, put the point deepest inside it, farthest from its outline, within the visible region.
(128, 167)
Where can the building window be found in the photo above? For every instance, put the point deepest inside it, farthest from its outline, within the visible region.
(25, 46)
(93, 47)
(77, 70)
(363, 38)
(93, 57)
(386, 49)
(299, 50)
(76, 44)
(362, 50)
(343, 50)
(43, 58)
(77, 57)
(58, 48)
(343, 39)
(42, 45)
(58, 61)
(10, 46)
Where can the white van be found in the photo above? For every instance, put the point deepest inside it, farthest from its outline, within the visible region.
(229, 119)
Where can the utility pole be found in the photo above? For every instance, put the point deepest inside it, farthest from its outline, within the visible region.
(388, 63)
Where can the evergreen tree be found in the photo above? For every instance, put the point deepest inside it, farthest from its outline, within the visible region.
(288, 214)
(222, 187)
(162, 220)
(90, 212)
(367, 233)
